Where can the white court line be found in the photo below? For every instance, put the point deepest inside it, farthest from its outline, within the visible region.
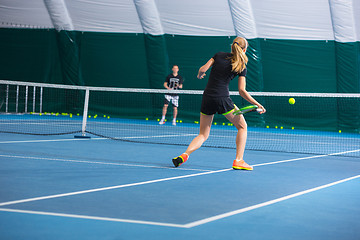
(110, 188)
(92, 217)
(158, 180)
(188, 225)
(102, 163)
(97, 138)
(196, 223)
(242, 210)
(49, 140)
(303, 158)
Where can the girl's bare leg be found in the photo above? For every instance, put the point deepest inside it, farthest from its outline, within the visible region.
(205, 126)
(240, 123)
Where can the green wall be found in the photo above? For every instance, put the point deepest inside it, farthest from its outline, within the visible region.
(143, 61)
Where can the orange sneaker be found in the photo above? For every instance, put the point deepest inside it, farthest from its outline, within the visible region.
(180, 159)
(241, 165)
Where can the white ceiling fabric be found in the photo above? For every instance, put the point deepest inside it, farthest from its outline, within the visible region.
(278, 19)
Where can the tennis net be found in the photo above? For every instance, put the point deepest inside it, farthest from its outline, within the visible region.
(318, 123)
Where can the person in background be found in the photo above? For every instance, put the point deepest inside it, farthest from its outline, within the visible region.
(172, 82)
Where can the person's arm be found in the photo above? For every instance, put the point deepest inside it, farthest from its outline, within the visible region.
(243, 93)
(181, 82)
(166, 86)
(204, 68)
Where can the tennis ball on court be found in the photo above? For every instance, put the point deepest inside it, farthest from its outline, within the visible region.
(292, 101)
(108, 117)
(267, 126)
(215, 123)
(339, 131)
(89, 116)
(292, 128)
(71, 115)
(281, 127)
(146, 119)
(180, 121)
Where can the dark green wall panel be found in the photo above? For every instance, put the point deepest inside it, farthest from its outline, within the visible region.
(143, 61)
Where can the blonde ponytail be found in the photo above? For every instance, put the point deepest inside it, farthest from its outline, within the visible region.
(239, 58)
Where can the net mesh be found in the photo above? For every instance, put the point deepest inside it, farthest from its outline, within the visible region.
(316, 123)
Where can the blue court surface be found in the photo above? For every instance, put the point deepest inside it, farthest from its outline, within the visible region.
(60, 187)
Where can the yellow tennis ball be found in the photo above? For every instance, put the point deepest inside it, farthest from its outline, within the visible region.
(292, 101)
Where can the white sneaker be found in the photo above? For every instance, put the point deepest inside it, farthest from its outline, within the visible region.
(162, 122)
(174, 123)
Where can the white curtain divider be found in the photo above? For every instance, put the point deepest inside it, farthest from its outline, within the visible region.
(59, 14)
(243, 18)
(149, 17)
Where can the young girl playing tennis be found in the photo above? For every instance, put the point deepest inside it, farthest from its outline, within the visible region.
(216, 99)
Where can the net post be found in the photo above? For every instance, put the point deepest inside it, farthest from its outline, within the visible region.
(41, 99)
(34, 98)
(84, 121)
(7, 99)
(17, 98)
(26, 97)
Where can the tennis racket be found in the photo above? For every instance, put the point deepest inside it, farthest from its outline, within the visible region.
(246, 109)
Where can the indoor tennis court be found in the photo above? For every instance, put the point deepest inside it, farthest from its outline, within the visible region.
(83, 154)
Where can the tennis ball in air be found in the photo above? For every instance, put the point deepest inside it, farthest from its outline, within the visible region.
(292, 101)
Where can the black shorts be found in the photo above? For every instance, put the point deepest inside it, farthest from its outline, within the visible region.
(212, 105)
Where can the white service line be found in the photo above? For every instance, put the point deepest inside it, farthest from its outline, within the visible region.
(99, 138)
(188, 225)
(92, 217)
(110, 188)
(102, 163)
(49, 140)
(303, 158)
(160, 180)
(241, 210)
